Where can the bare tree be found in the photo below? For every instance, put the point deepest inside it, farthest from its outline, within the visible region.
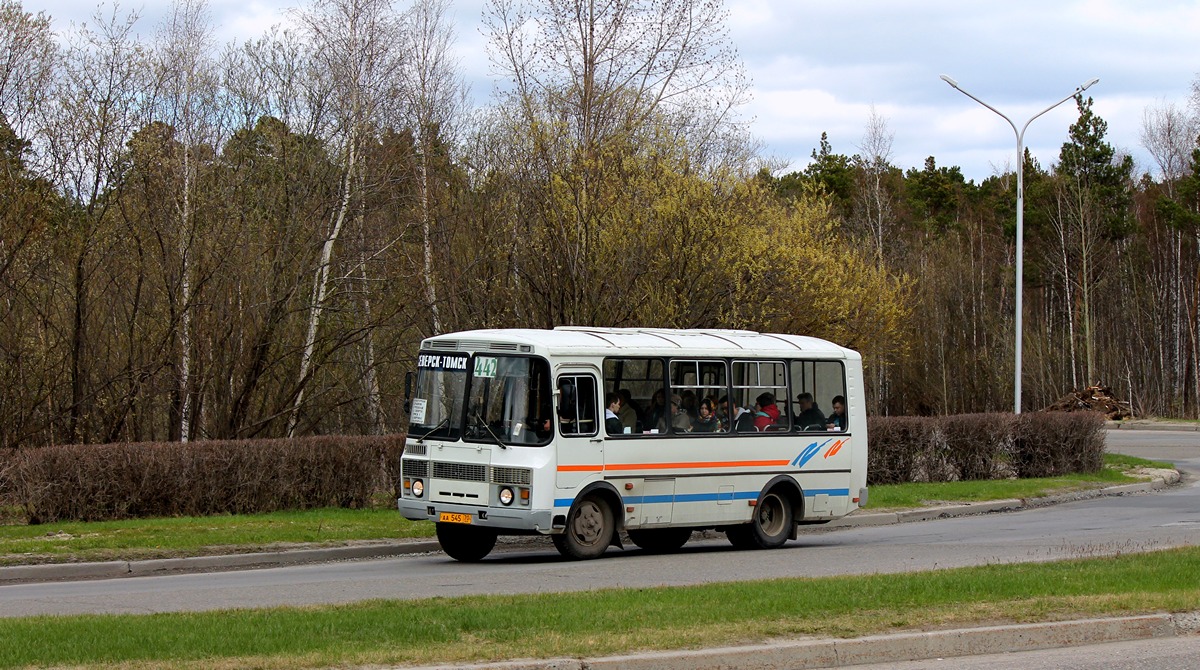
(28, 56)
(187, 82)
(592, 81)
(1169, 134)
(99, 102)
(435, 97)
(874, 210)
(356, 58)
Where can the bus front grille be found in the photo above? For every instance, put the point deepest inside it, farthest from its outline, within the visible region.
(514, 476)
(414, 468)
(467, 472)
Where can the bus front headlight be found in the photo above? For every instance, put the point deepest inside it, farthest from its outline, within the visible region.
(418, 488)
(506, 496)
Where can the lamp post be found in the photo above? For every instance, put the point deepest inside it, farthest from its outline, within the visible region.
(1020, 213)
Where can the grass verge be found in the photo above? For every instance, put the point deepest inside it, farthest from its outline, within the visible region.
(456, 630)
(1117, 469)
(192, 536)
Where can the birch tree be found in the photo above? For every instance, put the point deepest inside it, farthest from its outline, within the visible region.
(356, 60)
(435, 98)
(1092, 209)
(873, 207)
(187, 81)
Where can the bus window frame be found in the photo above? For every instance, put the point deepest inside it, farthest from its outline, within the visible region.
(470, 388)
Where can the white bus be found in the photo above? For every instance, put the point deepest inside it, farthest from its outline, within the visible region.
(580, 433)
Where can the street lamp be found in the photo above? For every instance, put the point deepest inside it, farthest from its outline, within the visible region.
(1020, 213)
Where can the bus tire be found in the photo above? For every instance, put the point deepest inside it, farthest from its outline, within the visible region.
(589, 529)
(770, 526)
(660, 540)
(468, 544)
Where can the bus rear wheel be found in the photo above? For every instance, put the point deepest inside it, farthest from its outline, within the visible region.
(589, 530)
(769, 528)
(468, 544)
(660, 540)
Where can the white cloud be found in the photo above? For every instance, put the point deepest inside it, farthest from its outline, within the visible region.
(819, 66)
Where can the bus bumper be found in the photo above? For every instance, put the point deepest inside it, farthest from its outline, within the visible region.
(500, 518)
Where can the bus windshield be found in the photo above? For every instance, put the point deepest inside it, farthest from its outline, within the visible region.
(510, 401)
(437, 406)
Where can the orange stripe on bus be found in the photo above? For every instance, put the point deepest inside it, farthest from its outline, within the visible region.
(669, 466)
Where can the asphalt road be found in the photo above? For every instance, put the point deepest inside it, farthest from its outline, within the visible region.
(1096, 527)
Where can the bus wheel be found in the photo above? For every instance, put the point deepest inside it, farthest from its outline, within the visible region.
(660, 540)
(589, 530)
(768, 529)
(772, 521)
(468, 544)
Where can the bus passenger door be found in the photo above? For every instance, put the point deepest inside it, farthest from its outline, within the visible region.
(580, 444)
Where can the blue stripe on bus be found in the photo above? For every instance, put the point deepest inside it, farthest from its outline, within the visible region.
(703, 497)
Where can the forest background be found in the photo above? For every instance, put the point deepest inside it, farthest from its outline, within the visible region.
(203, 241)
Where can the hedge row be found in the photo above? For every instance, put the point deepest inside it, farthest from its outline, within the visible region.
(983, 446)
(123, 481)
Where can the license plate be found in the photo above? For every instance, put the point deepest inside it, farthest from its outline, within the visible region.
(451, 517)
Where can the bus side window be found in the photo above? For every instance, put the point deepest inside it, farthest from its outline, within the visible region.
(817, 384)
(577, 405)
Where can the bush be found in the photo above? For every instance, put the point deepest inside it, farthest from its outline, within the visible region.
(901, 449)
(120, 481)
(983, 446)
(1049, 444)
(977, 445)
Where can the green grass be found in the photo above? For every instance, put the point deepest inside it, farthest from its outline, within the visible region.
(190, 536)
(907, 496)
(456, 630)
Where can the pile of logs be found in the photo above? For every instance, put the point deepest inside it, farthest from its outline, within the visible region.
(1093, 399)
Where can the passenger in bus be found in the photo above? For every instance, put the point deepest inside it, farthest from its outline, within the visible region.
(766, 412)
(810, 416)
(740, 420)
(658, 412)
(612, 421)
(707, 421)
(630, 414)
(679, 421)
(689, 404)
(837, 420)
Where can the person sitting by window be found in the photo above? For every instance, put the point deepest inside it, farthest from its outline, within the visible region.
(766, 413)
(631, 414)
(678, 419)
(657, 412)
(837, 420)
(740, 419)
(810, 416)
(612, 422)
(707, 421)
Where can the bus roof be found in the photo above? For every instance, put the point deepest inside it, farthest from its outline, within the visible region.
(565, 340)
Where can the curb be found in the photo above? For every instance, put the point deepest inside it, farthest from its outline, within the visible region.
(1152, 425)
(268, 559)
(832, 653)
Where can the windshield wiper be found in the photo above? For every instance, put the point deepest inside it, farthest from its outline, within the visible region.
(441, 424)
(489, 430)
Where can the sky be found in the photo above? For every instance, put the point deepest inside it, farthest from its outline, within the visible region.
(822, 66)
